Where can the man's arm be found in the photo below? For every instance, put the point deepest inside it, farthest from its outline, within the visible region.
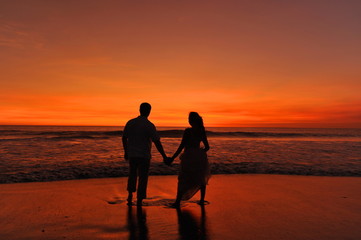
(156, 139)
(160, 149)
(125, 147)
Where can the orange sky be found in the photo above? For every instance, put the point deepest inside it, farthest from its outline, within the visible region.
(238, 63)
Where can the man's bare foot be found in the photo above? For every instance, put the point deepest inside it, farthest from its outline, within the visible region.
(129, 199)
(139, 202)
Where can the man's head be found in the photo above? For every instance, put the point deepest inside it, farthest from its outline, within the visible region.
(144, 109)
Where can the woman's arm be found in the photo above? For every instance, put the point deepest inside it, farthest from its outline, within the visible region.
(205, 142)
(181, 146)
(179, 150)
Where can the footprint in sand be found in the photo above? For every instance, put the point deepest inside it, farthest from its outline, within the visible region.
(156, 201)
(116, 200)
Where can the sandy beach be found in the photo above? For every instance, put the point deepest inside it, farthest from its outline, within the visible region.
(240, 207)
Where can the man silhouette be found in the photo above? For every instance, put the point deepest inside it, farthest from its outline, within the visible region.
(138, 135)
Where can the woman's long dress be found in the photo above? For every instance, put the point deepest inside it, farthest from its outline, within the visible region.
(194, 168)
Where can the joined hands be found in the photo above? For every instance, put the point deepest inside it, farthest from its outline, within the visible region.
(168, 161)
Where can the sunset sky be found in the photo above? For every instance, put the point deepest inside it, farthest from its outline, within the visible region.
(237, 63)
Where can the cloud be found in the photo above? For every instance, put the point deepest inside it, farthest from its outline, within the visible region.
(89, 61)
(16, 35)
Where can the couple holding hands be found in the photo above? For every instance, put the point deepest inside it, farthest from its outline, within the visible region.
(138, 135)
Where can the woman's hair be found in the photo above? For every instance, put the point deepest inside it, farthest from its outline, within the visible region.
(196, 121)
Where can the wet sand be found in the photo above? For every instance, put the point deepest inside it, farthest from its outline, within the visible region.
(241, 207)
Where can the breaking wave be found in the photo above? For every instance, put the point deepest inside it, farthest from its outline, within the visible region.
(71, 172)
(63, 135)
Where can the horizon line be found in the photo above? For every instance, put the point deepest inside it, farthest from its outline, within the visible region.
(160, 126)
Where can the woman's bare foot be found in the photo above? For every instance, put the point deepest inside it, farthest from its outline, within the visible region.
(202, 202)
(175, 205)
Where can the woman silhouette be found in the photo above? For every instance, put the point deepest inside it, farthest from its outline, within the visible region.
(194, 167)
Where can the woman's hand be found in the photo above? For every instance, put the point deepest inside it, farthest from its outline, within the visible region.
(206, 149)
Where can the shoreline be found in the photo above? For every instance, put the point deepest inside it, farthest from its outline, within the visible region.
(247, 206)
(174, 172)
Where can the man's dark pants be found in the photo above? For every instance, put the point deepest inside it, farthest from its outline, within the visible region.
(138, 167)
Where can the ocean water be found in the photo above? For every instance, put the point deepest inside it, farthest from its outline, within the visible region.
(49, 153)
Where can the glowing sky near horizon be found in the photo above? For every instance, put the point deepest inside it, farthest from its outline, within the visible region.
(238, 63)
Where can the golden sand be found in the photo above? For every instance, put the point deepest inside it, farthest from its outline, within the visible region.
(241, 207)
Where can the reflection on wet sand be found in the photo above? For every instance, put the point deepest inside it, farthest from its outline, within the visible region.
(137, 223)
(191, 226)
